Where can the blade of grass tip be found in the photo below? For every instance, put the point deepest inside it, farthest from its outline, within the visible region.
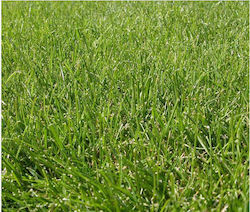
(203, 144)
(13, 171)
(62, 72)
(165, 130)
(12, 76)
(165, 205)
(21, 142)
(55, 134)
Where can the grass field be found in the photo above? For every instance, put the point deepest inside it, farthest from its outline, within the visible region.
(125, 106)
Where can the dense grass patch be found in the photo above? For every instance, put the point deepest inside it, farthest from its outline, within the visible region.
(125, 106)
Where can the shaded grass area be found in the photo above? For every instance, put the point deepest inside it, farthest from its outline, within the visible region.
(121, 106)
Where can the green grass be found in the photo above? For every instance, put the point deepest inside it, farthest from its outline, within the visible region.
(121, 106)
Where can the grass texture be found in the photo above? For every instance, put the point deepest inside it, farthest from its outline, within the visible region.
(125, 106)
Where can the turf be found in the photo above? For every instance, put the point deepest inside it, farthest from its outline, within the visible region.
(125, 106)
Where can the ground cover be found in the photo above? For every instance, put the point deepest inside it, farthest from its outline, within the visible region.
(121, 106)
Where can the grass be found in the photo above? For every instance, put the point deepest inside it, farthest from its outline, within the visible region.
(122, 106)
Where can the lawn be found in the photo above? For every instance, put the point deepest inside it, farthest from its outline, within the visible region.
(125, 106)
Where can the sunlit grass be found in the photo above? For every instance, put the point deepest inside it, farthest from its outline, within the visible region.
(121, 106)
